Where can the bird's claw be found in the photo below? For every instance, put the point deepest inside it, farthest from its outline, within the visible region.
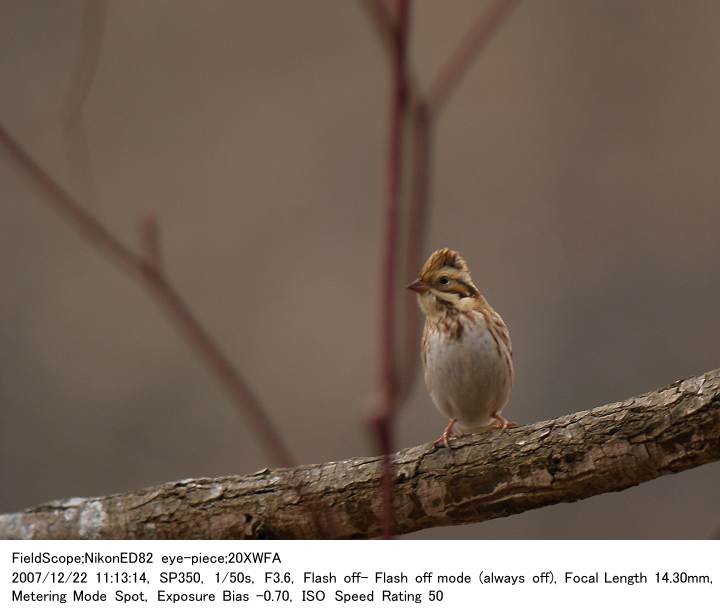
(501, 423)
(447, 435)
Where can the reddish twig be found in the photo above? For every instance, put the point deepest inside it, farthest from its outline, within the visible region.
(391, 27)
(474, 41)
(398, 109)
(425, 112)
(383, 423)
(145, 269)
(382, 20)
(418, 219)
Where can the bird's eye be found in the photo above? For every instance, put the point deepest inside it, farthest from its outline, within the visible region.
(443, 280)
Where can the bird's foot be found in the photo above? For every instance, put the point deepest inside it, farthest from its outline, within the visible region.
(501, 423)
(447, 435)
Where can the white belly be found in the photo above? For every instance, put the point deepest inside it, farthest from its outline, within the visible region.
(469, 378)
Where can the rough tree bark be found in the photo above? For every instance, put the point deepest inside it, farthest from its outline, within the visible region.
(483, 476)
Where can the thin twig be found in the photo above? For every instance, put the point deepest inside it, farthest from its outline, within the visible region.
(398, 109)
(148, 273)
(418, 220)
(383, 22)
(450, 76)
(383, 423)
(72, 110)
(391, 27)
(149, 235)
(425, 112)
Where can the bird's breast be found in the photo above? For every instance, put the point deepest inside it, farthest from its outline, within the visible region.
(468, 369)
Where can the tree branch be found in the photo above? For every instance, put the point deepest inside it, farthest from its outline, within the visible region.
(483, 476)
(475, 40)
(72, 112)
(382, 422)
(145, 268)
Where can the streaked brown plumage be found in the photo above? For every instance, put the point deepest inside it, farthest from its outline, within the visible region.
(466, 347)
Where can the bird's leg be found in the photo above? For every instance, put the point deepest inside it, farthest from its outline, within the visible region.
(446, 435)
(501, 423)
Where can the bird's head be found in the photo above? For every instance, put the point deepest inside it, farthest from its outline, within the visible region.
(445, 283)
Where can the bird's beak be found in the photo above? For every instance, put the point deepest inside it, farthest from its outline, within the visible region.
(418, 286)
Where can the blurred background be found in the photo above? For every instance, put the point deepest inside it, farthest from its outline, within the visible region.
(576, 170)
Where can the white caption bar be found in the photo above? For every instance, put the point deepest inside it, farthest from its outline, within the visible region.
(398, 577)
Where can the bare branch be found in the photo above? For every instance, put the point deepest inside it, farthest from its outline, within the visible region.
(391, 24)
(398, 110)
(383, 424)
(155, 281)
(484, 476)
(418, 216)
(73, 106)
(382, 21)
(149, 235)
(450, 76)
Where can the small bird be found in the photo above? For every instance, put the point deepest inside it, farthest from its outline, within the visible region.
(466, 348)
